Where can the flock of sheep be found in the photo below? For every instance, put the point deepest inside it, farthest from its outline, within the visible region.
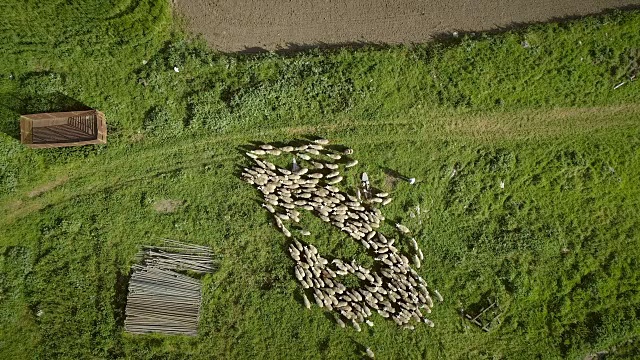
(392, 288)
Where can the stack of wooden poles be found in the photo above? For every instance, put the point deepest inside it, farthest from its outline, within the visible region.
(161, 299)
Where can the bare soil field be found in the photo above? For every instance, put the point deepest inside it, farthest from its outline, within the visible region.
(254, 25)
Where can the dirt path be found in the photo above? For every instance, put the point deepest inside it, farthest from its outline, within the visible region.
(251, 25)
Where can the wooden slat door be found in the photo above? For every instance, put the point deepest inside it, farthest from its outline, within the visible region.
(26, 130)
(102, 127)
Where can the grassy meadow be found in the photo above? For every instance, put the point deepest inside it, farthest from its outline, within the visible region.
(558, 246)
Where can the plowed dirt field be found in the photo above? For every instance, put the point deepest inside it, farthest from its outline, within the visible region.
(254, 25)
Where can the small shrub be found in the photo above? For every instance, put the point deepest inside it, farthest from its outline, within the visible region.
(208, 111)
(159, 121)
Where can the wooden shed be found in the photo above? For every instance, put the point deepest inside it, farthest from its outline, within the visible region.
(73, 128)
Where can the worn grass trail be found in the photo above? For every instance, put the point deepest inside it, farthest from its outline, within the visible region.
(151, 160)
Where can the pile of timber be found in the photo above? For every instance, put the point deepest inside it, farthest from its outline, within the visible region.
(174, 255)
(161, 299)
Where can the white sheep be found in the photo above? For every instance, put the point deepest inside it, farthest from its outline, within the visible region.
(438, 296)
(307, 303)
(403, 229)
(351, 163)
(356, 325)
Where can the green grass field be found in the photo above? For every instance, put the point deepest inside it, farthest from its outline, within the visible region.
(558, 246)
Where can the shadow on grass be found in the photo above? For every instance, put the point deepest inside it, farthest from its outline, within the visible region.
(120, 297)
(12, 107)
